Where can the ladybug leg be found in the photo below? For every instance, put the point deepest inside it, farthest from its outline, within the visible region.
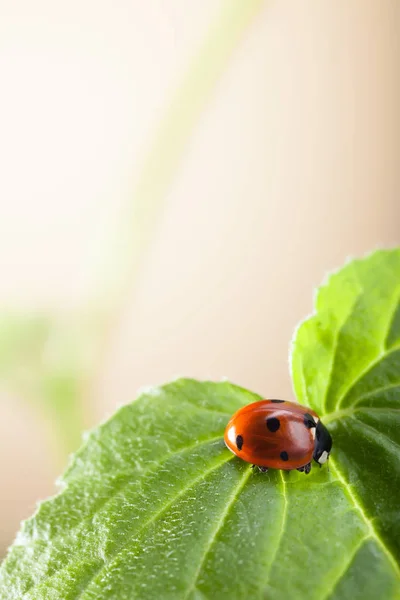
(261, 469)
(306, 469)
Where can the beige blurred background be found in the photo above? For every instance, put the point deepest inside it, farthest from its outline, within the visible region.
(175, 179)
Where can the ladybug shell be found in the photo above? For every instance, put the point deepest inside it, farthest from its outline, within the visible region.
(273, 433)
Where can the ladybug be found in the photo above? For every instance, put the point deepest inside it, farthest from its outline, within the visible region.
(278, 434)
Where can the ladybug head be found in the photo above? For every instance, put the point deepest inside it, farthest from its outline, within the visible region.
(323, 444)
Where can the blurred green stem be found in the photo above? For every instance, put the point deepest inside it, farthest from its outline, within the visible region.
(62, 379)
(169, 145)
(161, 165)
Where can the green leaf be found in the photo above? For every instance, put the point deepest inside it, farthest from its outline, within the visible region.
(346, 364)
(154, 505)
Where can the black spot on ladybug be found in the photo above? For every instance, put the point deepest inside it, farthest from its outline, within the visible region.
(239, 442)
(284, 455)
(309, 421)
(277, 401)
(273, 424)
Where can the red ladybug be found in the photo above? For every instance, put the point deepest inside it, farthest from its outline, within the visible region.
(278, 434)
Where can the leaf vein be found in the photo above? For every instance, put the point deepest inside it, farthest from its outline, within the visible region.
(376, 435)
(282, 529)
(373, 533)
(336, 347)
(348, 412)
(347, 566)
(391, 321)
(117, 490)
(219, 526)
(385, 388)
(361, 375)
(152, 519)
